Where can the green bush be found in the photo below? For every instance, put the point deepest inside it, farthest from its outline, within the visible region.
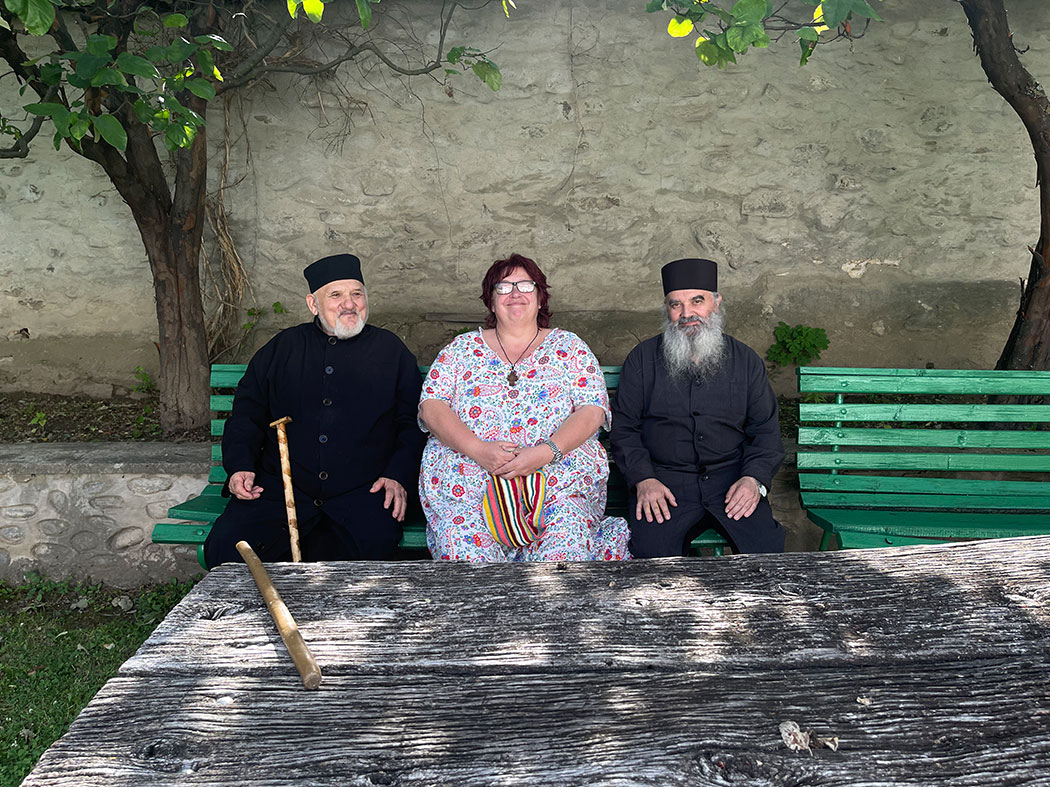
(798, 345)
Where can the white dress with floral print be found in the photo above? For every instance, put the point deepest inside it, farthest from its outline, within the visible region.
(560, 375)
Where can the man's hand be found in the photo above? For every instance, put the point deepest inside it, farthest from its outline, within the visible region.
(742, 498)
(653, 499)
(493, 455)
(395, 493)
(242, 485)
(528, 460)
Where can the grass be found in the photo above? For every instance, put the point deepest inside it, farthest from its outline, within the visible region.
(59, 643)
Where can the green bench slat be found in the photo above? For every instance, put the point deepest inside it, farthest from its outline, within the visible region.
(217, 475)
(876, 460)
(938, 501)
(835, 380)
(180, 533)
(921, 438)
(849, 539)
(923, 413)
(226, 375)
(932, 524)
(221, 403)
(202, 508)
(873, 483)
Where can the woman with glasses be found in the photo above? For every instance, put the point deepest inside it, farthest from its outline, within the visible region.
(508, 399)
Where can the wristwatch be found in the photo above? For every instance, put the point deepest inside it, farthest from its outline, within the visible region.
(762, 488)
(558, 455)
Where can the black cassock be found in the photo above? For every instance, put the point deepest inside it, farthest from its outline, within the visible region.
(353, 406)
(698, 437)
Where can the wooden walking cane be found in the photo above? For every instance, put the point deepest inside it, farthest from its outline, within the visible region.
(289, 493)
(302, 657)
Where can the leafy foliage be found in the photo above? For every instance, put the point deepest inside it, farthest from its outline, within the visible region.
(798, 345)
(731, 29)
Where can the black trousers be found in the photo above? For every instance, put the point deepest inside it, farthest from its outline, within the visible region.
(353, 527)
(759, 532)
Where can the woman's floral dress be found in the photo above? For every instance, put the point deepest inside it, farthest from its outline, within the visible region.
(560, 375)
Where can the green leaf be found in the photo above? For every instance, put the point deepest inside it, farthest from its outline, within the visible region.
(108, 76)
(861, 8)
(749, 11)
(836, 11)
(807, 50)
(216, 41)
(176, 20)
(201, 88)
(101, 45)
(157, 54)
(488, 72)
(79, 126)
(314, 10)
(808, 34)
(36, 15)
(455, 53)
(47, 109)
(139, 66)
(293, 8)
(178, 136)
(180, 49)
(143, 110)
(88, 65)
(655, 5)
(109, 128)
(364, 10)
(51, 73)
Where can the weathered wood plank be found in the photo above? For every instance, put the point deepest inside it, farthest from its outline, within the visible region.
(978, 723)
(747, 611)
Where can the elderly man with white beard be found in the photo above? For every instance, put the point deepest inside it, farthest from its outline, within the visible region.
(695, 428)
(351, 390)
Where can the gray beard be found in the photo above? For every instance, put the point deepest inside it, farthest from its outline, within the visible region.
(700, 354)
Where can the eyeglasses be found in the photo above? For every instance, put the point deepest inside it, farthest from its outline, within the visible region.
(524, 287)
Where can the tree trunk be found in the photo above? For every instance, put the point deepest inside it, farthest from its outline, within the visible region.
(1028, 346)
(171, 231)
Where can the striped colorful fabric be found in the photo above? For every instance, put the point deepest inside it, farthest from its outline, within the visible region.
(514, 508)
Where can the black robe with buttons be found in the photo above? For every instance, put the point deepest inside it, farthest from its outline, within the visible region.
(353, 406)
(705, 434)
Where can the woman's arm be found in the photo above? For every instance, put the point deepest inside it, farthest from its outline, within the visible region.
(574, 431)
(447, 427)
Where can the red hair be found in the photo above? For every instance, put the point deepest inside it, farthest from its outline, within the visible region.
(501, 268)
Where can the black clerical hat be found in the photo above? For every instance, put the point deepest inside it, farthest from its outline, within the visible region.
(334, 268)
(690, 274)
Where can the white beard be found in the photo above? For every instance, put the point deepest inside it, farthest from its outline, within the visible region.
(694, 351)
(341, 331)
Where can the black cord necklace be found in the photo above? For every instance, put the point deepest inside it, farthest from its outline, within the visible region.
(512, 378)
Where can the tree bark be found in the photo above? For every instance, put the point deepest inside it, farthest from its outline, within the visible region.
(1028, 346)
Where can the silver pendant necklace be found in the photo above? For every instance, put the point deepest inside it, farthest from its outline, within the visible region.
(512, 377)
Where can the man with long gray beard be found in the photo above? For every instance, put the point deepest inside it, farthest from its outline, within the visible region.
(695, 428)
(351, 390)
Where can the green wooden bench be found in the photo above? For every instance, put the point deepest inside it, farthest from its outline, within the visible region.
(918, 456)
(200, 512)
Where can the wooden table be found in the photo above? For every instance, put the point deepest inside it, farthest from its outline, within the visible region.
(931, 665)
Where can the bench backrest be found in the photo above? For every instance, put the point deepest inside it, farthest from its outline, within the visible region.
(225, 376)
(923, 439)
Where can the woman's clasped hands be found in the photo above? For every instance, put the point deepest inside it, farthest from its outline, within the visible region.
(510, 460)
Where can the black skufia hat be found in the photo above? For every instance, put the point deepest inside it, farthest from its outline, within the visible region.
(334, 268)
(690, 274)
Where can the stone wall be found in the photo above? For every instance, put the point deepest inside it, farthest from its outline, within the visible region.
(86, 511)
(884, 192)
